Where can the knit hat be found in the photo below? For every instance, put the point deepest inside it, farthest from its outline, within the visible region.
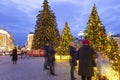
(85, 42)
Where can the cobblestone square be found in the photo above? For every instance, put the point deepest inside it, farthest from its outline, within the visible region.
(32, 69)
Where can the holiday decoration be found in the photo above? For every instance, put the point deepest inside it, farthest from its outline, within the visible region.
(96, 33)
(46, 28)
(66, 38)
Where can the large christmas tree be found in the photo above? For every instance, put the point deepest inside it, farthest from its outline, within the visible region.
(65, 39)
(95, 32)
(46, 28)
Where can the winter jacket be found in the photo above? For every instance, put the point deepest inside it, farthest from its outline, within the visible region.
(14, 55)
(86, 61)
(73, 55)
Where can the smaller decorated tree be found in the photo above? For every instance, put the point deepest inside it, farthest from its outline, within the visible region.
(113, 53)
(65, 39)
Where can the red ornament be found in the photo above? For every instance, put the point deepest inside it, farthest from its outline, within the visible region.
(101, 34)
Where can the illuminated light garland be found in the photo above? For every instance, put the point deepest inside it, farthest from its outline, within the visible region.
(104, 69)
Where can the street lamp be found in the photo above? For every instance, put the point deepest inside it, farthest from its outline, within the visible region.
(81, 34)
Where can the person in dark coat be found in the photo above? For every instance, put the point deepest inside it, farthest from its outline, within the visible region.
(51, 59)
(14, 56)
(73, 63)
(86, 60)
(46, 52)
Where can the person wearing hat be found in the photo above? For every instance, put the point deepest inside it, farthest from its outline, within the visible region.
(86, 60)
(73, 55)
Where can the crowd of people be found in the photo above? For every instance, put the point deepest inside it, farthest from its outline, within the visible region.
(85, 56)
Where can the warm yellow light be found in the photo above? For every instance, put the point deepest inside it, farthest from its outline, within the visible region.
(60, 58)
(63, 57)
(106, 70)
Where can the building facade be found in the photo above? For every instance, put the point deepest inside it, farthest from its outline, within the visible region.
(29, 41)
(6, 40)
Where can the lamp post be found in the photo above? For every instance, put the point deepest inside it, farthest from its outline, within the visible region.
(81, 34)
